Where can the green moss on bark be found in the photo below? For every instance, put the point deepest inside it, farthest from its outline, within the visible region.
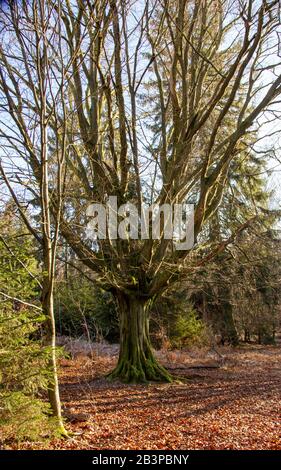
(136, 363)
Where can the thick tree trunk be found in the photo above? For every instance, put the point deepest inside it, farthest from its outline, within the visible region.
(228, 329)
(136, 363)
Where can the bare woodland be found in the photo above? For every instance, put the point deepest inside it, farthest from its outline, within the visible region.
(154, 102)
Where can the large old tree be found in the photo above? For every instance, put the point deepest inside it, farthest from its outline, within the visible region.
(153, 100)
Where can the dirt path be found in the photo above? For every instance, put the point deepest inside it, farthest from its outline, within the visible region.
(234, 407)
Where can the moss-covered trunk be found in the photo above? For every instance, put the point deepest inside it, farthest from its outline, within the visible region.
(136, 362)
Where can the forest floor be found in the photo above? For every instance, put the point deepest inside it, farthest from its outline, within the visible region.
(224, 402)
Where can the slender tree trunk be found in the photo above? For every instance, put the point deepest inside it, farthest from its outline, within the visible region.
(247, 337)
(53, 385)
(136, 362)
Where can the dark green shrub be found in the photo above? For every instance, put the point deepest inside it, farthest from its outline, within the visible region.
(23, 358)
(176, 324)
(85, 310)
